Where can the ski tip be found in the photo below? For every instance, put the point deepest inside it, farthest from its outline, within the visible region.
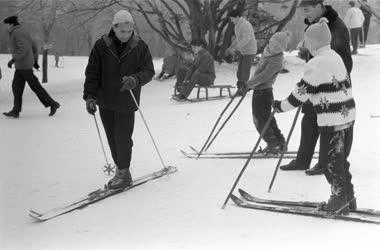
(34, 212)
(35, 218)
(242, 192)
(236, 200)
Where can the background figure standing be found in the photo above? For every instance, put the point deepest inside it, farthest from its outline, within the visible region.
(314, 10)
(25, 57)
(244, 44)
(201, 72)
(354, 20)
(56, 58)
(270, 65)
(119, 62)
(366, 9)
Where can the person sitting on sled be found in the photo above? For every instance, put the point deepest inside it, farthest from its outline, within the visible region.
(201, 72)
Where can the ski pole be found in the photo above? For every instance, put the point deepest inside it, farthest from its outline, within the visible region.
(215, 125)
(283, 150)
(225, 122)
(146, 125)
(249, 158)
(108, 169)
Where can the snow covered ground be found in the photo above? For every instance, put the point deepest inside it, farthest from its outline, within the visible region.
(48, 161)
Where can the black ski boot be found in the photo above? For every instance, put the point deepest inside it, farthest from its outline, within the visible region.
(336, 203)
(53, 108)
(316, 170)
(121, 180)
(293, 165)
(272, 149)
(11, 113)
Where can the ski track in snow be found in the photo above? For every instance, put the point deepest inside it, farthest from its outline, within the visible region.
(49, 161)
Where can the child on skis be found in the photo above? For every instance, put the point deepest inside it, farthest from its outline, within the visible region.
(327, 86)
(271, 63)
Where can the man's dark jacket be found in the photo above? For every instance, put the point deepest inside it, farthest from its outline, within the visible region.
(340, 42)
(108, 63)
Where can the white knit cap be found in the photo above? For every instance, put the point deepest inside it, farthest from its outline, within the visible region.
(122, 16)
(318, 35)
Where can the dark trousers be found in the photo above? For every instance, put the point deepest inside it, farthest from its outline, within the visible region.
(119, 129)
(364, 32)
(181, 73)
(202, 79)
(309, 136)
(244, 69)
(261, 109)
(355, 33)
(334, 151)
(18, 86)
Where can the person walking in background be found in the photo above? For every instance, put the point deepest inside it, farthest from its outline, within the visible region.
(25, 57)
(340, 42)
(354, 20)
(244, 44)
(201, 72)
(327, 85)
(366, 9)
(119, 62)
(56, 58)
(270, 65)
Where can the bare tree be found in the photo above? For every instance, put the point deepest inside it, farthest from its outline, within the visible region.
(179, 21)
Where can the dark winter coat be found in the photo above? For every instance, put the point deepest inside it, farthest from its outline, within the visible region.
(340, 36)
(109, 61)
(340, 43)
(23, 48)
(203, 68)
(170, 64)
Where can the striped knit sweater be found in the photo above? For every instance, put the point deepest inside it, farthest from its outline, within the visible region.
(327, 85)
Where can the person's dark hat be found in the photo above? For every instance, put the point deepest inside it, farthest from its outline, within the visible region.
(11, 20)
(234, 13)
(310, 2)
(198, 42)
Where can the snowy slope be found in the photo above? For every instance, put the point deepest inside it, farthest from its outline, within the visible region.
(48, 161)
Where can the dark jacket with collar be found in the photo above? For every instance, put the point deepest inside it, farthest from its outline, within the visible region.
(23, 48)
(203, 64)
(109, 61)
(340, 37)
(340, 43)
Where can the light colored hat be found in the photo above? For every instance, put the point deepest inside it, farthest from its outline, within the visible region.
(280, 40)
(122, 16)
(318, 35)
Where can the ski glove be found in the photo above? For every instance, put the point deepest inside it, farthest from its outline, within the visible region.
(10, 63)
(277, 106)
(91, 106)
(243, 90)
(36, 66)
(129, 82)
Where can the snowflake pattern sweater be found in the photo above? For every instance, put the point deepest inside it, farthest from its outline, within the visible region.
(327, 85)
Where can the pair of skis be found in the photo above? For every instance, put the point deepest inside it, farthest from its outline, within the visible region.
(194, 154)
(97, 195)
(305, 208)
